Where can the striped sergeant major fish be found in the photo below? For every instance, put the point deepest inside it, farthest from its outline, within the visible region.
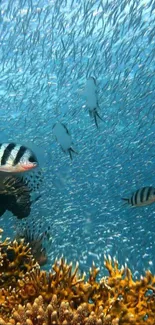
(91, 99)
(142, 197)
(16, 158)
(18, 192)
(63, 137)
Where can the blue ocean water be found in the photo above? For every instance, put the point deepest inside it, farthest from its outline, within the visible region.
(48, 49)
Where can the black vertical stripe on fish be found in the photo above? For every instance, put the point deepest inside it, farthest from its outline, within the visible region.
(7, 153)
(65, 127)
(19, 155)
(132, 202)
(145, 194)
(148, 193)
(142, 195)
(136, 197)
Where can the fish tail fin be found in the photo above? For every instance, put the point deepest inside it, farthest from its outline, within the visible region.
(95, 118)
(96, 114)
(126, 200)
(70, 153)
(71, 150)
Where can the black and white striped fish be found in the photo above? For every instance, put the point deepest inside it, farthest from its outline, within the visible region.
(16, 158)
(143, 196)
(18, 192)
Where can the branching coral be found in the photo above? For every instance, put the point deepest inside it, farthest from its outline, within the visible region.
(66, 297)
(16, 260)
(62, 281)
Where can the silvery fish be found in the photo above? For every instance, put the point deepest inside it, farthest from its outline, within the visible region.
(63, 137)
(16, 158)
(17, 193)
(91, 99)
(142, 197)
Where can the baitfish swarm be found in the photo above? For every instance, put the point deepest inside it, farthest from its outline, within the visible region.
(63, 137)
(16, 158)
(142, 197)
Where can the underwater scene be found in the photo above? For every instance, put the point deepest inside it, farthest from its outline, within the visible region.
(77, 168)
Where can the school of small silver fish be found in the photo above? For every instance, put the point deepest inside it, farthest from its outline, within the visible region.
(78, 76)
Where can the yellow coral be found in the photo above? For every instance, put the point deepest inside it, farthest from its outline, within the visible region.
(30, 296)
(16, 259)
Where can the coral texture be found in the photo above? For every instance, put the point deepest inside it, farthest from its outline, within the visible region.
(64, 296)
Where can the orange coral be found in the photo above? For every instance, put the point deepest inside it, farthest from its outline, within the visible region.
(16, 259)
(66, 297)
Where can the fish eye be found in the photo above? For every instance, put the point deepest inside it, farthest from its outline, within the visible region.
(32, 159)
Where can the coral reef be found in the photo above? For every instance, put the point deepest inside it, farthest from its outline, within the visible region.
(15, 260)
(64, 296)
(36, 238)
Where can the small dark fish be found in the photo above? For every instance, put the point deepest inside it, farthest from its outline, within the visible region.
(16, 193)
(16, 158)
(64, 138)
(91, 99)
(142, 197)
